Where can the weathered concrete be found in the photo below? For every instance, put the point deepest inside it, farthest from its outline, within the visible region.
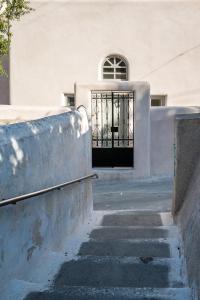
(89, 293)
(187, 190)
(110, 233)
(112, 271)
(132, 219)
(35, 155)
(152, 194)
(157, 248)
(162, 138)
(143, 269)
(187, 155)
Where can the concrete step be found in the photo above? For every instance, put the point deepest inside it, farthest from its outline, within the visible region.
(119, 272)
(123, 232)
(153, 248)
(89, 293)
(131, 218)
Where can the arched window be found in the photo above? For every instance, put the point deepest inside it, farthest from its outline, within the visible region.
(115, 67)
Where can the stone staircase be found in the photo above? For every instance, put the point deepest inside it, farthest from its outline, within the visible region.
(130, 256)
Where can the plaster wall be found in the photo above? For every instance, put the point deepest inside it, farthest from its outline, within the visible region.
(163, 138)
(10, 114)
(141, 119)
(186, 204)
(35, 155)
(63, 42)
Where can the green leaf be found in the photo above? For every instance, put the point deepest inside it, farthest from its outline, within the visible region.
(10, 10)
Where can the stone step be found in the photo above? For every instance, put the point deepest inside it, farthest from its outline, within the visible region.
(119, 272)
(153, 248)
(123, 232)
(131, 218)
(90, 293)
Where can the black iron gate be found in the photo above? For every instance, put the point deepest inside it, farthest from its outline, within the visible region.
(112, 128)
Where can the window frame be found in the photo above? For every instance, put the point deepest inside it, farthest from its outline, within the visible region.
(118, 63)
(162, 98)
(67, 96)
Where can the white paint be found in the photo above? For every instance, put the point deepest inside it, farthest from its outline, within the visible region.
(159, 152)
(141, 119)
(160, 40)
(162, 138)
(38, 231)
(10, 114)
(186, 203)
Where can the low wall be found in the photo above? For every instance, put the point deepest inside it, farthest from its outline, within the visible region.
(186, 200)
(10, 114)
(162, 138)
(35, 155)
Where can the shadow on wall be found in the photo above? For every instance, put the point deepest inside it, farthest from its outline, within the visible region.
(17, 140)
(186, 204)
(162, 138)
(33, 156)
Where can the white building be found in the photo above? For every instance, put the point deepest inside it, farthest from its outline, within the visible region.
(98, 48)
(66, 42)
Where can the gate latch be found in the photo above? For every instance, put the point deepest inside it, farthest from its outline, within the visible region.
(114, 129)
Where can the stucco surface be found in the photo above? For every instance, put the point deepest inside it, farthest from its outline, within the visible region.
(123, 194)
(141, 118)
(187, 136)
(160, 40)
(35, 155)
(163, 138)
(187, 190)
(10, 114)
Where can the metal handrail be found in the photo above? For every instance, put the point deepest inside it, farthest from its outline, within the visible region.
(46, 190)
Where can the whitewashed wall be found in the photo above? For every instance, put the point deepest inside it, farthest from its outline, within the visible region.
(140, 119)
(162, 138)
(186, 204)
(35, 155)
(63, 42)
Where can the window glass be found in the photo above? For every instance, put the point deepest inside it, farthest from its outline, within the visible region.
(69, 100)
(107, 64)
(121, 70)
(155, 102)
(115, 67)
(108, 70)
(158, 100)
(108, 76)
(122, 64)
(121, 76)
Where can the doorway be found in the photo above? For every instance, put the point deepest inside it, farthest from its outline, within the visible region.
(112, 118)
